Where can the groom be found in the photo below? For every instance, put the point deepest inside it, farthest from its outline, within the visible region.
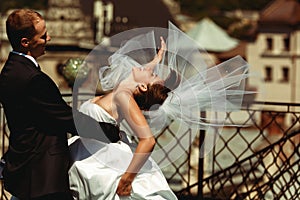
(37, 159)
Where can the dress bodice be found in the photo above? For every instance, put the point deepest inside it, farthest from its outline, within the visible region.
(97, 112)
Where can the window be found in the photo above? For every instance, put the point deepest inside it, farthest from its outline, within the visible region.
(286, 42)
(269, 43)
(268, 73)
(285, 74)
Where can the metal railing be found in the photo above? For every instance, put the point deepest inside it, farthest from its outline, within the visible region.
(257, 159)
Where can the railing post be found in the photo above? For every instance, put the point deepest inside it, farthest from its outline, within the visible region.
(201, 159)
(75, 97)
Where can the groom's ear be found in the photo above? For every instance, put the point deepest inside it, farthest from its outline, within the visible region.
(143, 87)
(25, 42)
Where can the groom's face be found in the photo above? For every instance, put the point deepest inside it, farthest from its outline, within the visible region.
(38, 43)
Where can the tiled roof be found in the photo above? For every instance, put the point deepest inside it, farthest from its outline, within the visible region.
(240, 49)
(281, 11)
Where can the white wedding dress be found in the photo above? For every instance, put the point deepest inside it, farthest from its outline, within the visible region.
(97, 167)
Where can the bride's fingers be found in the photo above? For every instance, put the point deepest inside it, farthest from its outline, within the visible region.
(124, 192)
(158, 57)
(124, 189)
(162, 43)
(162, 49)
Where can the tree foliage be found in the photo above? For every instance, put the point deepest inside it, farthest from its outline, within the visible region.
(194, 8)
(200, 8)
(215, 9)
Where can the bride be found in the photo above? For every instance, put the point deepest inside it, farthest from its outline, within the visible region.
(112, 170)
(144, 97)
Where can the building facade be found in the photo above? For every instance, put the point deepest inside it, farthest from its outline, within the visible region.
(275, 53)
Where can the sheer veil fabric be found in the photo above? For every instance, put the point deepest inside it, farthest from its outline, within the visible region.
(218, 88)
(202, 87)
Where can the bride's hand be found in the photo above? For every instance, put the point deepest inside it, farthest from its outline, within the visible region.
(158, 57)
(125, 187)
(161, 51)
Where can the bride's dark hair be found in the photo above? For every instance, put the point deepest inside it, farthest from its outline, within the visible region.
(156, 93)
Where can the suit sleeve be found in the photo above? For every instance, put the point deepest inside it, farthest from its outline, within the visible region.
(54, 115)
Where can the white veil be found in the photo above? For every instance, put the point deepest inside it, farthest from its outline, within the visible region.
(202, 87)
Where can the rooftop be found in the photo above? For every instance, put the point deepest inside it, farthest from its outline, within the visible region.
(281, 11)
(211, 37)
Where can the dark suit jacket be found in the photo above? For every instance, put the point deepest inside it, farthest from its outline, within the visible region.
(37, 159)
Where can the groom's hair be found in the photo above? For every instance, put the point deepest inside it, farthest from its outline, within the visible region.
(21, 24)
(156, 93)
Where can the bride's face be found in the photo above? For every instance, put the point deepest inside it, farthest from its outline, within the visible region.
(145, 75)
